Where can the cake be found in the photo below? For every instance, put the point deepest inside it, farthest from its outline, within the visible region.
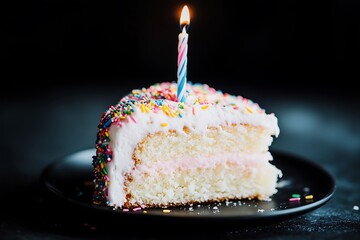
(154, 151)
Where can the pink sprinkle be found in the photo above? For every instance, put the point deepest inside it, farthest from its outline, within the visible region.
(132, 118)
(137, 209)
(125, 210)
(294, 199)
(193, 110)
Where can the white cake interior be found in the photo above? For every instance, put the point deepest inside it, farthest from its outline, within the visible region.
(223, 163)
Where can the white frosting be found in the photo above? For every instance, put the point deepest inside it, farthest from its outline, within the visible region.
(192, 163)
(196, 118)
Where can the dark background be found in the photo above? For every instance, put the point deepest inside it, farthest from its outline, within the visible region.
(292, 45)
(65, 62)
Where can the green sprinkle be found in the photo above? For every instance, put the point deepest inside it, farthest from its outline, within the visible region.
(295, 195)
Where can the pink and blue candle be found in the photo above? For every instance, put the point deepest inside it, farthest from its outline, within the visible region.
(182, 55)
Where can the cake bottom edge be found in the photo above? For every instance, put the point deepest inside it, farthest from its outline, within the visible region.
(226, 180)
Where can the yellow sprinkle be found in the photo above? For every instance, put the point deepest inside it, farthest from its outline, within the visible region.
(167, 111)
(164, 108)
(166, 211)
(204, 107)
(249, 110)
(107, 134)
(163, 124)
(309, 197)
(142, 108)
(135, 91)
(144, 211)
(122, 117)
(102, 165)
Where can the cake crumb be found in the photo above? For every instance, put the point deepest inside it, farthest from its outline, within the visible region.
(356, 208)
(216, 210)
(260, 210)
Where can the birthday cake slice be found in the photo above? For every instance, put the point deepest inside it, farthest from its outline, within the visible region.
(154, 151)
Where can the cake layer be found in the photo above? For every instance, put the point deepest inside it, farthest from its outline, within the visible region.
(170, 145)
(196, 180)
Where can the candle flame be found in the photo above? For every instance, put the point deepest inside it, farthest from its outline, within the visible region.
(185, 16)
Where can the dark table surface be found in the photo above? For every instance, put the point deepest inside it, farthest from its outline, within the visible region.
(40, 127)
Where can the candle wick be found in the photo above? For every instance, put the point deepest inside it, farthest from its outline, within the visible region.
(184, 25)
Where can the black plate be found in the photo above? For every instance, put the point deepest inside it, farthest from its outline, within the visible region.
(70, 179)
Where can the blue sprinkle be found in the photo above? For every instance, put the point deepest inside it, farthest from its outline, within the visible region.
(107, 123)
(159, 102)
